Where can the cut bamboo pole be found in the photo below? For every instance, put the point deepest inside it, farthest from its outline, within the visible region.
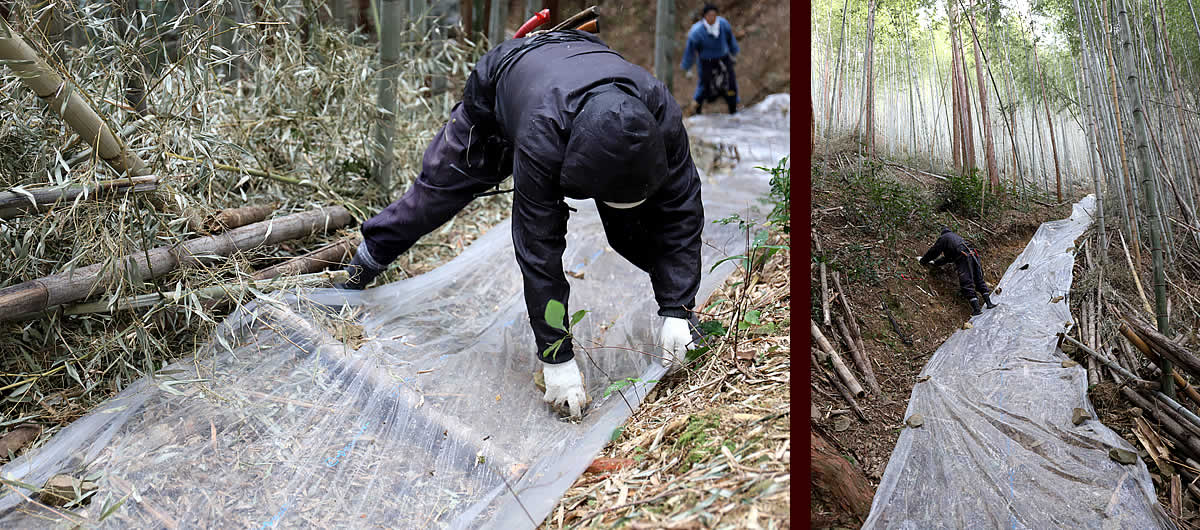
(24, 202)
(66, 101)
(333, 254)
(845, 392)
(238, 217)
(839, 366)
(37, 295)
(1170, 351)
(860, 357)
(1188, 442)
(825, 300)
(850, 320)
(1150, 353)
(209, 293)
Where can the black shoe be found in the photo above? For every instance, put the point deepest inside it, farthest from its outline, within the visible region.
(975, 310)
(987, 302)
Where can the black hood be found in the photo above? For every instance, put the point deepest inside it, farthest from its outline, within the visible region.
(616, 152)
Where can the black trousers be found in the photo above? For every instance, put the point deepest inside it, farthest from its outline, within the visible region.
(970, 277)
(717, 80)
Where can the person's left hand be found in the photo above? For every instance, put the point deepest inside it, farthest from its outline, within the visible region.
(676, 341)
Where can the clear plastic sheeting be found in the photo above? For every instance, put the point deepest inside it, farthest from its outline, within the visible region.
(997, 447)
(409, 405)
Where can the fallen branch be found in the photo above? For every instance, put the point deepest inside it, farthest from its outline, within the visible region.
(24, 202)
(838, 365)
(1188, 442)
(66, 287)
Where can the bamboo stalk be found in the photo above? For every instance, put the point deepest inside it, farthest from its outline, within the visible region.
(1188, 442)
(825, 300)
(65, 287)
(850, 320)
(390, 42)
(1107, 362)
(237, 217)
(845, 392)
(24, 202)
(839, 366)
(208, 293)
(860, 357)
(1180, 382)
(1133, 272)
(332, 254)
(251, 171)
(66, 101)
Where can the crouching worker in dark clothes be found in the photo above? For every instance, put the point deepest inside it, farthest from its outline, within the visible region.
(951, 248)
(566, 116)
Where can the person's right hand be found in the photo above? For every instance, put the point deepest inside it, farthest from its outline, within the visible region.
(361, 270)
(689, 74)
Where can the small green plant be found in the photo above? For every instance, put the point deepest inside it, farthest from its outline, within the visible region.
(886, 207)
(622, 383)
(780, 196)
(758, 252)
(964, 195)
(556, 313)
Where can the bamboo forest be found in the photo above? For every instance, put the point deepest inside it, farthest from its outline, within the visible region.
(1050, 151)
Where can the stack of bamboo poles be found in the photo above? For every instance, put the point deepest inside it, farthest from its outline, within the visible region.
(827, 352)
(1134, 355)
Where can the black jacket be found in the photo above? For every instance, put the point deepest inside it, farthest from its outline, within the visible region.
(516, 118)
(950, 246)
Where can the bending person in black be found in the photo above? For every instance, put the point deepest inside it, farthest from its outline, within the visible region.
(566, 116)
(953, 249)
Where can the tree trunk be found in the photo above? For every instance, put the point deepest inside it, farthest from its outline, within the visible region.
(845, 484)
(37, 295)
(64, 99)
(985, 121)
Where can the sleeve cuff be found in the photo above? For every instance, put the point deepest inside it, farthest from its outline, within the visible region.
(674, 312)
(367, 259)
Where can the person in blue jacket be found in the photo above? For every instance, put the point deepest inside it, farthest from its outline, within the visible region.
(711, 38)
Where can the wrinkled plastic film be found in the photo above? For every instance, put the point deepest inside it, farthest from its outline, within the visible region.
(407, 405)
(997, 447)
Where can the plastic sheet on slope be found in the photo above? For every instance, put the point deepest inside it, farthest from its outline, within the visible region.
(432, 422)
(998, 448)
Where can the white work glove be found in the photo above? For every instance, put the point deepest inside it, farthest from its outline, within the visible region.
(676, 340)
(689, 74)
(564, 387)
